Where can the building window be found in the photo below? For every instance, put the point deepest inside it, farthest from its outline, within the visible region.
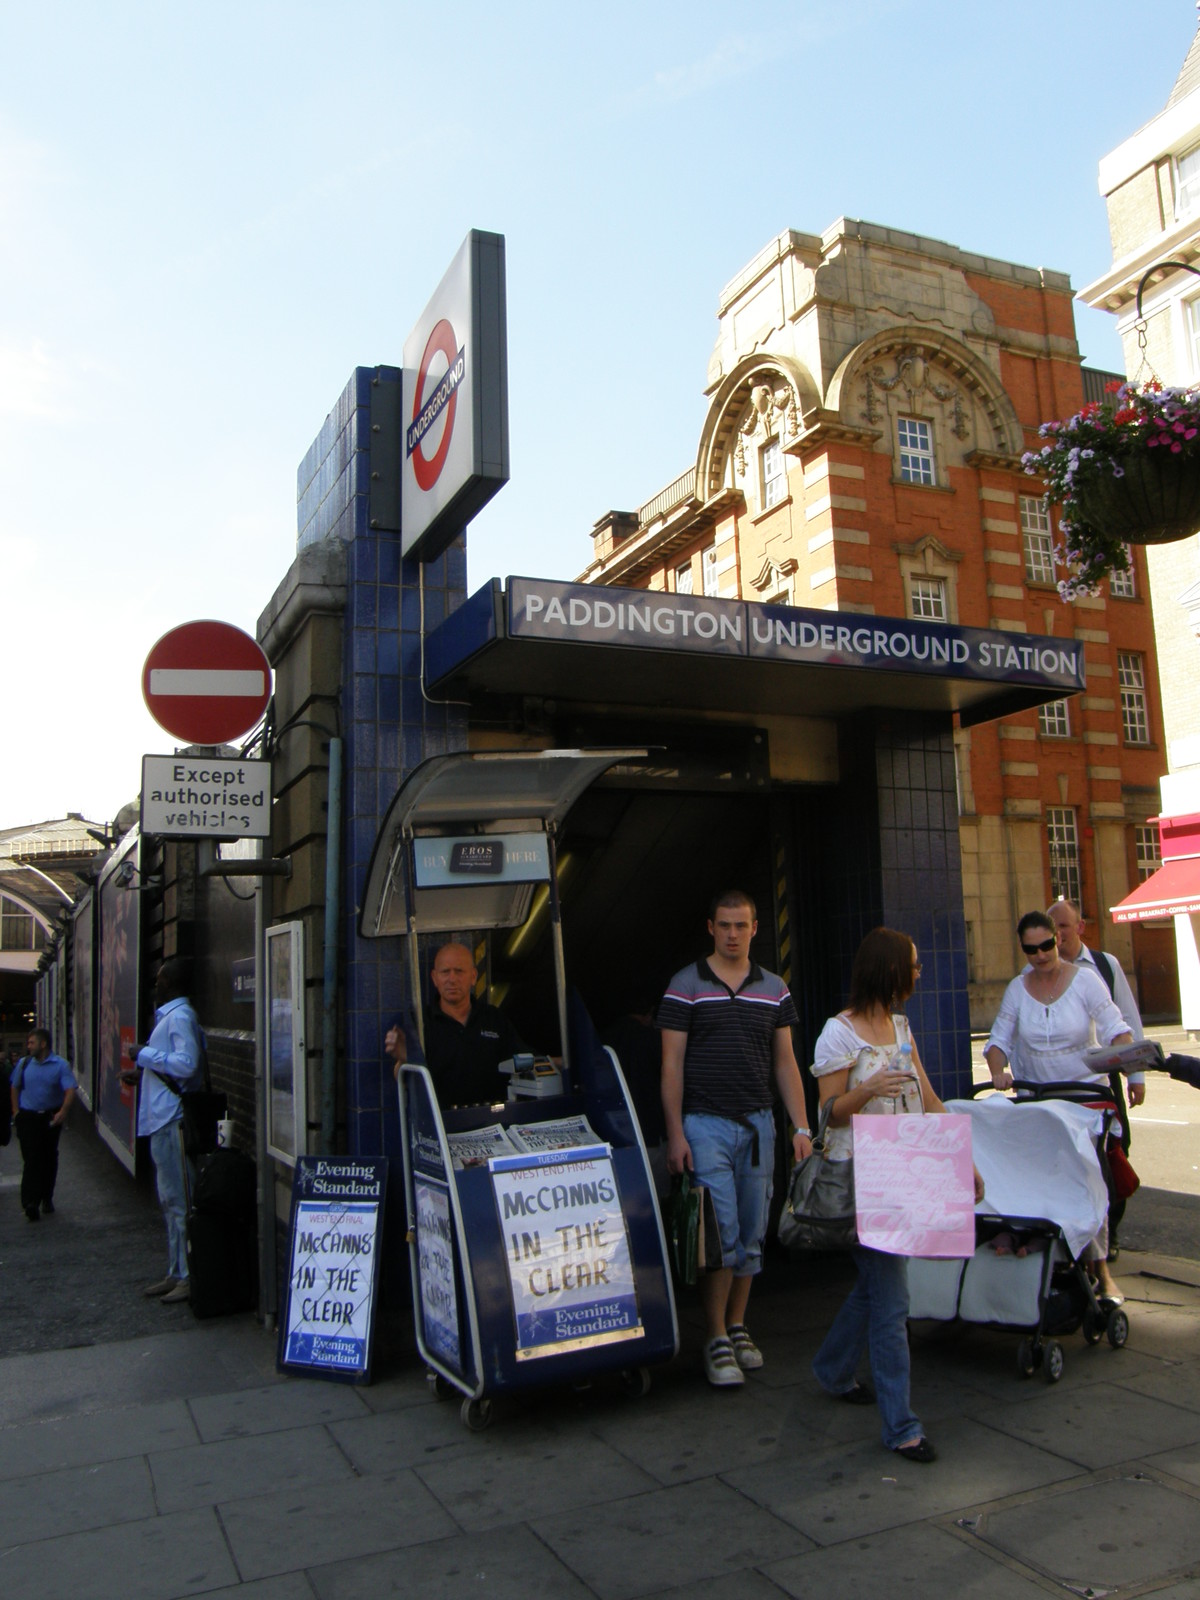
(1187, 182)
(1149, 849)
(1120, 584)
(1135, 717)
(1054, 721)
(709, 564)
(916, 450)
(19, 930)
(1038, 539)
(683, 578)
(1191, 312)
(1063, 840)
(927, 599)
(774, 474)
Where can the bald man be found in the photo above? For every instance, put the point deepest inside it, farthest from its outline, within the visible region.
(465, 1039)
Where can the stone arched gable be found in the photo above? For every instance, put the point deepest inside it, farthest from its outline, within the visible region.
(903, 356)
(729, 405)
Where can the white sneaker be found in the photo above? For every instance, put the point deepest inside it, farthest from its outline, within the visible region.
(720, 1365)
(181, 1291)
(746, 1353)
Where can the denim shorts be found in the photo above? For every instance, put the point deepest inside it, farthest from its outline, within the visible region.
(722, 1153)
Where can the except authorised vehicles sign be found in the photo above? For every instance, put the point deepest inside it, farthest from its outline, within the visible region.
(206, 682)
(202, 797)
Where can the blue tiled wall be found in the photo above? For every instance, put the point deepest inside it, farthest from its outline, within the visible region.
(388, 727)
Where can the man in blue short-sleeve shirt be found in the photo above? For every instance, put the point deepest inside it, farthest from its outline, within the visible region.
(726, 1045)
(42, 1088)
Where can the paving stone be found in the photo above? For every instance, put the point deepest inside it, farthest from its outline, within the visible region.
(850, 1492)
(163, 1558)
(1097, 1426)
(506, 1564)
(743, 1585)
(290, 1403)
(205, 1474)
(918, 1560)
(483, 1491)
(398, 1391)
(388, 1440)
(1103, 1535)
(299, 1527)
(670, 1538)
(288, 1586)
(39, 1447)
(673, 1440)
(1183, 1463)
(79, 1498)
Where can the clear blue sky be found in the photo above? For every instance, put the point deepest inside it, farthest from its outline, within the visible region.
(211, 213)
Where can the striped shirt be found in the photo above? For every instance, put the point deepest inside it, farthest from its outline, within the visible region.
(727, 1062)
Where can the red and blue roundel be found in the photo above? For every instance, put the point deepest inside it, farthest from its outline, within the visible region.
(427, 409)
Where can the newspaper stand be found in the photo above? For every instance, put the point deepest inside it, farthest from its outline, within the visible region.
(532, 1267)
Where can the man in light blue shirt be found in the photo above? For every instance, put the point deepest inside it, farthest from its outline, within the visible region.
(170, 1064)
(42, 1088)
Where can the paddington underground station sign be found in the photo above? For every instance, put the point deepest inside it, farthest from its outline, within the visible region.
(699, 625)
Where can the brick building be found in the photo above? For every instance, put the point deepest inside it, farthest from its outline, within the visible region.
(870, 395)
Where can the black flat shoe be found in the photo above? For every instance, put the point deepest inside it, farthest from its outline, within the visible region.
(922, 1451)
(860, 1395)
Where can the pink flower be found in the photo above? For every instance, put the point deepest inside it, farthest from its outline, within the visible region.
(1176, 448)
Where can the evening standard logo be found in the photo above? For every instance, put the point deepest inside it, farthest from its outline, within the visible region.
(442, 400)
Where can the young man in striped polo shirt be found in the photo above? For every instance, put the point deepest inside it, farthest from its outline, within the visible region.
(726, 1036)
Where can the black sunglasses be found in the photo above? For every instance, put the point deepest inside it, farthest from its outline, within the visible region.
(1038, 949)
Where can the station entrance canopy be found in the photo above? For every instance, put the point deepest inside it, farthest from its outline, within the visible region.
(642, 648)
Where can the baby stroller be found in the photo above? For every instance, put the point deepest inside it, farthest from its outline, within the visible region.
(1045, 1197)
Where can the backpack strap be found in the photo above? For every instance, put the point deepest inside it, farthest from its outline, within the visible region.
(1104, 966)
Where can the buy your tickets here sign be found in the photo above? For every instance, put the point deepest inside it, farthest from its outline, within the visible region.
(567, 1250)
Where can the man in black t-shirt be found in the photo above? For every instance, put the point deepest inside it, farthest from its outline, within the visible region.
(465, 1039)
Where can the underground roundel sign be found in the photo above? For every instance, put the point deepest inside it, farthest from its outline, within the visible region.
(435, 401)
(206, 682)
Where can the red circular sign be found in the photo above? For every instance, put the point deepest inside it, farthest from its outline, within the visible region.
(440, 340)
(206, 682)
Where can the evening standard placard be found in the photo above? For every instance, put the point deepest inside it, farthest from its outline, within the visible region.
(567, 1251)
(333, 1267)
(435, 1260)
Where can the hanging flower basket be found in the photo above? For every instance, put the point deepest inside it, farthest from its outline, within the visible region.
(1125, 471)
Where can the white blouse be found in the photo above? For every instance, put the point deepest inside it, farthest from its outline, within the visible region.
(840, 1049)
(1045, 1043)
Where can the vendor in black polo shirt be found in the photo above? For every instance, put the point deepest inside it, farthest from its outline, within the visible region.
(465, 1039)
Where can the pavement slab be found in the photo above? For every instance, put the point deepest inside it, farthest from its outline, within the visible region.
(290, 1403)
(665, 1437)
(385, 1441)
(667, 1539)
(206, 1474)
(1098, 1426)
(81, 1498)
(162, 1558)
(35, 1447)
(287, 1586)
(922, 1559)
(305, 1525)
(504, 1564)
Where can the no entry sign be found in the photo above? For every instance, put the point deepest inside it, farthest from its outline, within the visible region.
(206, 682)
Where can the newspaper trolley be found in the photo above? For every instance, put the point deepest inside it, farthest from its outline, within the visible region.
(536, 1245)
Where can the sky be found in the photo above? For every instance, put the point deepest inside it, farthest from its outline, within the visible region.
(210, 214)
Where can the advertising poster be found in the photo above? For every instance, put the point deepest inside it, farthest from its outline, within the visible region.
(567, 1251)
(117, 1013)
(333, 1266)
(286, 1099)
(435, 1258)
(82, 997)
(914, 1185)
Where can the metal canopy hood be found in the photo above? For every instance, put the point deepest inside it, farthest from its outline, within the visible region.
(472, 793)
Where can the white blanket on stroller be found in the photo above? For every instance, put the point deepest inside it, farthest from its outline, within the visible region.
(1038, 1159)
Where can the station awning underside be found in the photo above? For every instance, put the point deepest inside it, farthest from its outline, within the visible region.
(491, 649)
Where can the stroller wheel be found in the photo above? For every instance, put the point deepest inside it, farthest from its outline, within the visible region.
(1026, 1360)
(1052, 1361)
(1094, 1325)
(1118, 1329)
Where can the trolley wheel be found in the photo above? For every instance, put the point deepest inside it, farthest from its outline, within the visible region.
(1026, 1359)
(439, 1387)
(1052, 1361)
(1094, 1324)
(476, 1414)
(636, 1382)
(1118, 1329)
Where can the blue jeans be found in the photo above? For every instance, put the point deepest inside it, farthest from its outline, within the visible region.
(173, 1181)
(874, 1313)
(722, 1156)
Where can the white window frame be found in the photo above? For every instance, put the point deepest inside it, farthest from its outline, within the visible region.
(1122, 585)
(1054, 720)
(1062, 839)
(286, 1053)
(927, 598)
(1037, 539)
(1187, 186)
(772, 474)
(1148, 847)
(708, 564)
(914, 445)
(1135, 708)
(685, 581)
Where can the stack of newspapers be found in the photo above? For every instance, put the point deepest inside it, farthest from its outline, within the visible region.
(476, 1147)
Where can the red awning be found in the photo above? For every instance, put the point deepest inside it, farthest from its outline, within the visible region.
(1175, 887)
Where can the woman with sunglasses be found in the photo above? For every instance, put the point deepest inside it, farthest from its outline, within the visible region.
(866, 1061)
(1044, 1026)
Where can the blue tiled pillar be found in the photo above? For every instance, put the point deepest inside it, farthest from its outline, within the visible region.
(388, 726)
